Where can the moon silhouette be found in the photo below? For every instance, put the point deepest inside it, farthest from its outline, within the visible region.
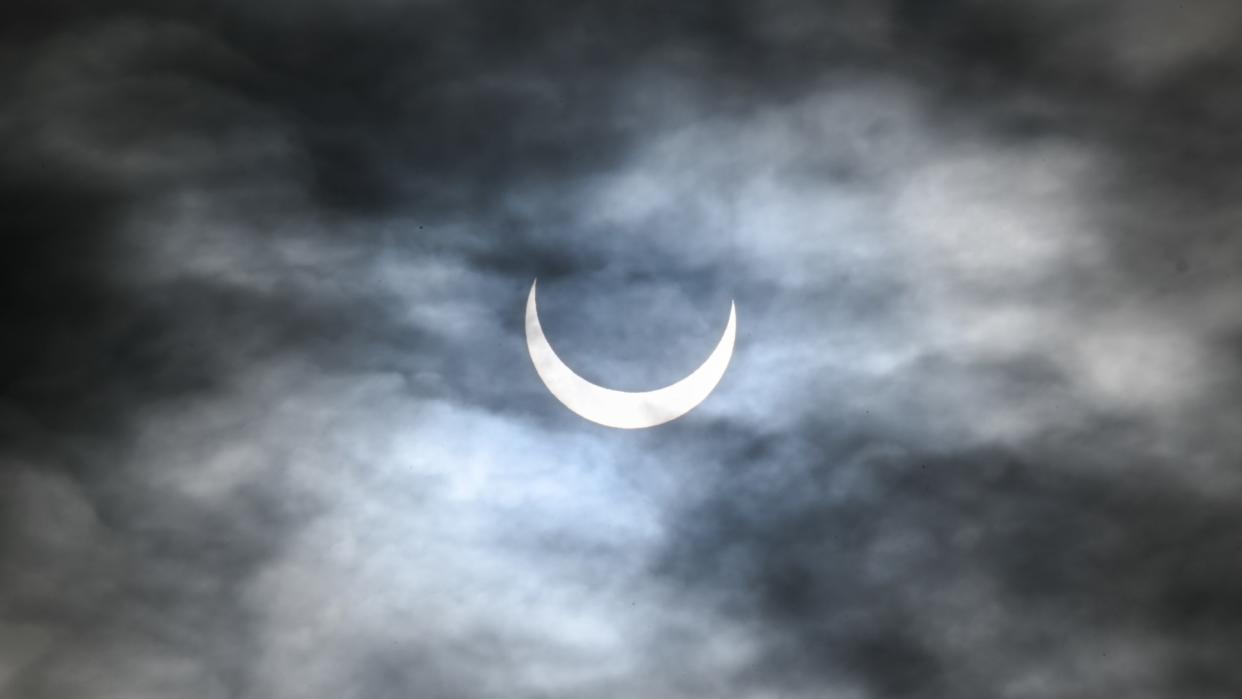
(625, 409)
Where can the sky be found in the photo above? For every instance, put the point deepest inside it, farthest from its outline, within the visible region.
(269, 429)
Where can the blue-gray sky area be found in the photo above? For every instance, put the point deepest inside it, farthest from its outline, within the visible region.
(269, 429)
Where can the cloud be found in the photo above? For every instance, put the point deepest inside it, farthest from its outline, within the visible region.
(270, 428)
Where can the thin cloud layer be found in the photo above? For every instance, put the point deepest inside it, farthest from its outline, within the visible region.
(270, 430)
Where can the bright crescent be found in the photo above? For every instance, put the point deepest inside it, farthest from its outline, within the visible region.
(625, 409)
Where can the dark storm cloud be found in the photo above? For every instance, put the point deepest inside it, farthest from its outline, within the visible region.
(262, 288)
(932, 574)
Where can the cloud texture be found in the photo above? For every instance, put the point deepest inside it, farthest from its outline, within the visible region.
(269, 428)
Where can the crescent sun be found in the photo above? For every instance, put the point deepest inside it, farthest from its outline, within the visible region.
(625, 409)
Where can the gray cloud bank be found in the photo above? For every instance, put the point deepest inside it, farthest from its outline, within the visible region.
(269, 429)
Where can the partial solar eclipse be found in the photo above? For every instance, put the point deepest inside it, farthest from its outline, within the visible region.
(625, 409)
